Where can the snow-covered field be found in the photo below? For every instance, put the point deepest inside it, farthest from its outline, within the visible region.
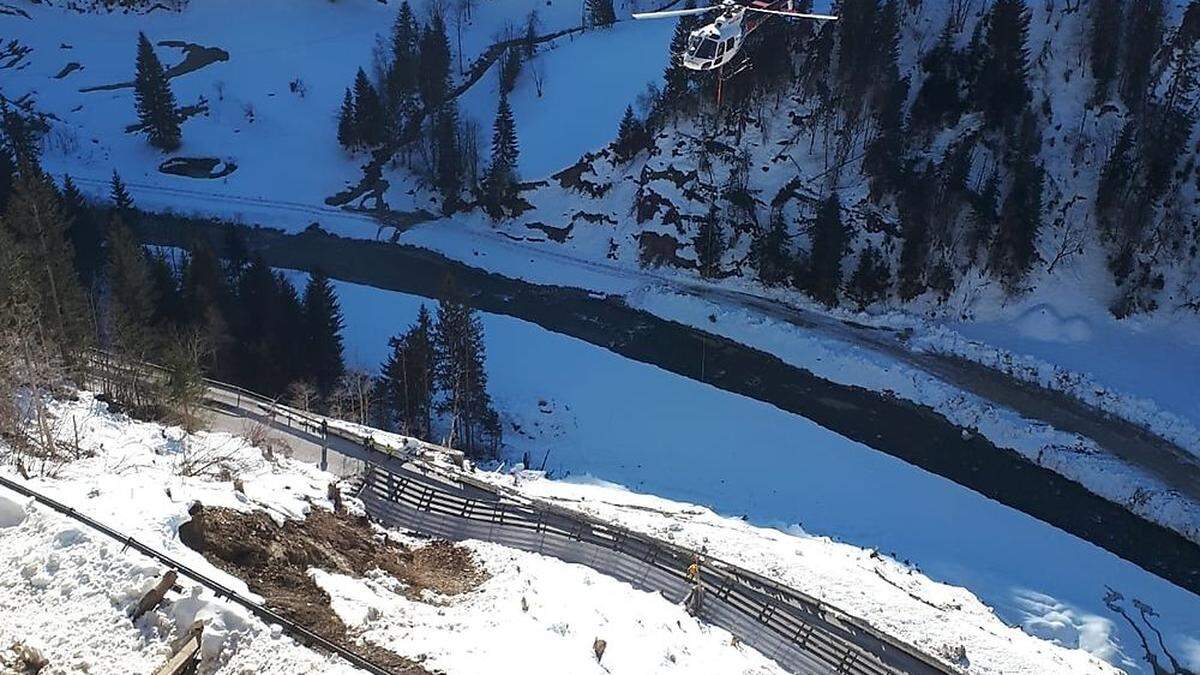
(602, 417)
(282, 138)
(66, 590)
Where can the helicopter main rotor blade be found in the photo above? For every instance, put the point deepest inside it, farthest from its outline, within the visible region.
(794, 15)
(673, 12)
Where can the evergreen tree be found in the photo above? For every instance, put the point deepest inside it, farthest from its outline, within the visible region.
(84, 233)
(347, 129)
(129, 303)
(1002, 90)
(830, 240)
(434, 73)
(1105, 44)
(510, 69)
(119, 195)
(204, 307)
(631, 137)
(600, 12)
(323, 337)
(1013, 249)
(914, 208)
(709, 244)
(871, 278)
(448, 162)
(370, 124)
(402, 77)
(21, 140)
(8, 175)
(677, 78)
(941, 101)
(1142, 39)
(407, 379)
(156, 108)
(164, 288)
(38, 226)
(769, 252)
(461, 376)
(500, 184)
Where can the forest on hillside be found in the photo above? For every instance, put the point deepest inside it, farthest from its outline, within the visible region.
(909, 150)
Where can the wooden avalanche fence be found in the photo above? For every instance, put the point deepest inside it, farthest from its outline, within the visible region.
(797, 631)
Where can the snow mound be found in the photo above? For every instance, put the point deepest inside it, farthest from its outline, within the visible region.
(1043, 323)
(12, 512)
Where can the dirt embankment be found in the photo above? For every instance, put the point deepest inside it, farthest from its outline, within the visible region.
(274, 561)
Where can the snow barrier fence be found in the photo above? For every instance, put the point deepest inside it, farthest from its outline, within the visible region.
(797, 631)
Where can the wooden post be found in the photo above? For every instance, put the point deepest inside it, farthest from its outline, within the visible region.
(151, 599)
(186, 654)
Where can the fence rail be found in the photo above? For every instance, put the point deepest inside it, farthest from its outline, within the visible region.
(800, 633)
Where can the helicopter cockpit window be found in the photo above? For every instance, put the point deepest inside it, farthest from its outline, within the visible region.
(707, 49)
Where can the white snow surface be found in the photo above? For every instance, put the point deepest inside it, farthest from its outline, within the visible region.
(599, 415)
(566, 607)
(66, 590)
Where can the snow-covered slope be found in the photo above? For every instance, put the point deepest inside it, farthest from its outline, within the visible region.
(595, 414)
(66, 590)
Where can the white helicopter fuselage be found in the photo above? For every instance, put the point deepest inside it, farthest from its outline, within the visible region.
(715, 45)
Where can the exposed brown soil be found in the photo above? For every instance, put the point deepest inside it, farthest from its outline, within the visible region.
(274, 561)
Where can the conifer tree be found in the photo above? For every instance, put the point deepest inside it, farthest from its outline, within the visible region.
(21, 138)
(1020, 219)
(369, 119)
(347, 129)
(677, 78)
(871, 278)
(631, 137)
(510, 69)
(128, 302)
(600, 12)
(1002, 90)
(121, 200)
(38, 225)
(769, 252)
(448, 162)
(830, 240)
(500, 183)
(709, 244)
(84, 233)
(8, 175)
(940, 100)
(1142, 39)
(402, 77)
(462, 378)
(434, 73)
(156, 108)
(204, 307)
(407, 378)
(1104, 40)
(323, 337)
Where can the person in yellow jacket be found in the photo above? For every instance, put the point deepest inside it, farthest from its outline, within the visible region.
(692, 602)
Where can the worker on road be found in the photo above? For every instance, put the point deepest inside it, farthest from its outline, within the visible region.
(695, 596)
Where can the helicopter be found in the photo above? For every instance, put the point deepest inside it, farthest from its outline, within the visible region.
(712, 46)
